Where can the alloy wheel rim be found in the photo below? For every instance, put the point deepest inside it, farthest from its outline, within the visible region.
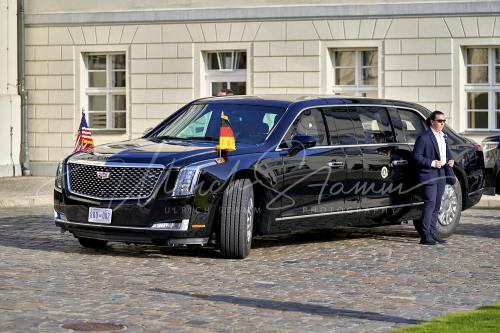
(249, 217)
(449, 203)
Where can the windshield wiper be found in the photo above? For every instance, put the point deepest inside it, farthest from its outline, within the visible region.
(167, 137)
(201, 138)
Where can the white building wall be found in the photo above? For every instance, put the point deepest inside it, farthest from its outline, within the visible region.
(419, 62)
(10, 102)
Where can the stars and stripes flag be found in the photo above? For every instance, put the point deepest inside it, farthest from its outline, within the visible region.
(226, 138)
(84, 142)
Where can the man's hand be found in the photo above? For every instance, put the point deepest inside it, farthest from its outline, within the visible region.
(438, 164)
(451, 163)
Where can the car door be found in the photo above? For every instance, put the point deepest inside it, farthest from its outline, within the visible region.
(307, 172)
(402, 122)
(385, 163)
(343, 187)
(413, 125)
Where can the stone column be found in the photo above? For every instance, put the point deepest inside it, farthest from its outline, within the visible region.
(10, 102)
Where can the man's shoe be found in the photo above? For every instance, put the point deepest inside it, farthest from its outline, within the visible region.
(424, 241)
(439, 240)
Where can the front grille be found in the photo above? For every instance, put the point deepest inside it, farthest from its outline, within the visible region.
(124, 182)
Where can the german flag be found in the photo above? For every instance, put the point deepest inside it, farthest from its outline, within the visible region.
(226, 139)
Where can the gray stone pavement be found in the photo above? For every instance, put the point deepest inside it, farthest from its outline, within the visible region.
(368, 280)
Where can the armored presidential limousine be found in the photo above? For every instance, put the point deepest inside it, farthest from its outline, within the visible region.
(300, 163)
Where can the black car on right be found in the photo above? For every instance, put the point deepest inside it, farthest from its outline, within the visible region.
(491, 150)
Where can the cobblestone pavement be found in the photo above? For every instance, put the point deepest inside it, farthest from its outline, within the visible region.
(366, 280)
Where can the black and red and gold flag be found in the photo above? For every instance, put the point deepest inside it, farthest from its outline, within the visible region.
(226, 138)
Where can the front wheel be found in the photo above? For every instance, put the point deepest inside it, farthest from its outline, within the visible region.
(237, 219)
(450, 211)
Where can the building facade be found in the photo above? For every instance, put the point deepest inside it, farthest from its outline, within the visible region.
(129, 64)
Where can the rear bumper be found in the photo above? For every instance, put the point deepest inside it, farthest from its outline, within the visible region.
(490, 180)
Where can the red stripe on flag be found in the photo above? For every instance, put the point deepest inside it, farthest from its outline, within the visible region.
(226, 131)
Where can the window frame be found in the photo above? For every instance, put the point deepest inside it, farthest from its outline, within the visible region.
(322, 107)
(226, 76)
(358, 89)
(491, 88)
(109, 91)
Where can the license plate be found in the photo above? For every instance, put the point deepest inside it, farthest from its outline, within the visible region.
(100, 215)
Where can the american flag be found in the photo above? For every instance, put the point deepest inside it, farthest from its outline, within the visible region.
(84, 142)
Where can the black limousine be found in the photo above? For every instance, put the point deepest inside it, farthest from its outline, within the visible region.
(300, 163)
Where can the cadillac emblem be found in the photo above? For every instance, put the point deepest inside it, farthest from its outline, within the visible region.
(102, 175)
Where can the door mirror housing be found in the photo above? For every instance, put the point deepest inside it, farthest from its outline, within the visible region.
(301, 142)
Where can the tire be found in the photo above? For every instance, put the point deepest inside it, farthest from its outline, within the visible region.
(92, 243)
(237, 214)
(450, 211)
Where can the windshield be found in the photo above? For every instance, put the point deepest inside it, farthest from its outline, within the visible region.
(251, 123)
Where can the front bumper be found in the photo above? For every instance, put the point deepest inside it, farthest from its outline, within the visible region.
(137, 235)
(164, 222)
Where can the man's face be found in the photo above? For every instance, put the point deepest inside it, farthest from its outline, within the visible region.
(438, 123)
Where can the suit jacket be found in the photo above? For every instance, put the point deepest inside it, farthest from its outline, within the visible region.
(425, 151)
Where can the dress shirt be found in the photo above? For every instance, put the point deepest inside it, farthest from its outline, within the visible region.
(442, 147)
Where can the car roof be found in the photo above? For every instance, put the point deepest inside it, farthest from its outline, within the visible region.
(287, 100)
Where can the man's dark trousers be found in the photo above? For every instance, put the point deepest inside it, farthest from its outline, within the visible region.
(431, 207)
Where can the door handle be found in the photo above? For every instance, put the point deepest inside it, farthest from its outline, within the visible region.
(336, 164)
(399, 163)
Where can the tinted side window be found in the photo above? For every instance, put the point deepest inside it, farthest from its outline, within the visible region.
(310, 122)
(331, 126)
(376, 124)
(413, 124)
(342, 122)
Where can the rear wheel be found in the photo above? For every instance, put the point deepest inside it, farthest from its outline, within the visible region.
(92, 243)
(237, 216)
(450, 211)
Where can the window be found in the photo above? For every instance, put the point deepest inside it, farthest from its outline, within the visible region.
(197, 128)
(375, 123)
(340, 126)
(310, 122)
(355, 72)
(226, 70)
(482, 88)
(413, 125)
(251, 123)
(105, 91)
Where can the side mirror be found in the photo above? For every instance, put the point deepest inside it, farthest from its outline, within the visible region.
(300, 142)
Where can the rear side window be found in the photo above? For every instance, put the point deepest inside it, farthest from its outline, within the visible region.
(340, 126)
(376, 124)
(413, 124)
(310, 122)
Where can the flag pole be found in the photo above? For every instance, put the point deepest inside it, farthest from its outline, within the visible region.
(221, 120)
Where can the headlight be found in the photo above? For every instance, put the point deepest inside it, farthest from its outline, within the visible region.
(59, 177)
(188, 178)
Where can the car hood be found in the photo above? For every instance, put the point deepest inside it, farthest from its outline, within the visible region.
(150, 151)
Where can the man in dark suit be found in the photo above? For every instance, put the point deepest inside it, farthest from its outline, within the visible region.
(435, 169)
